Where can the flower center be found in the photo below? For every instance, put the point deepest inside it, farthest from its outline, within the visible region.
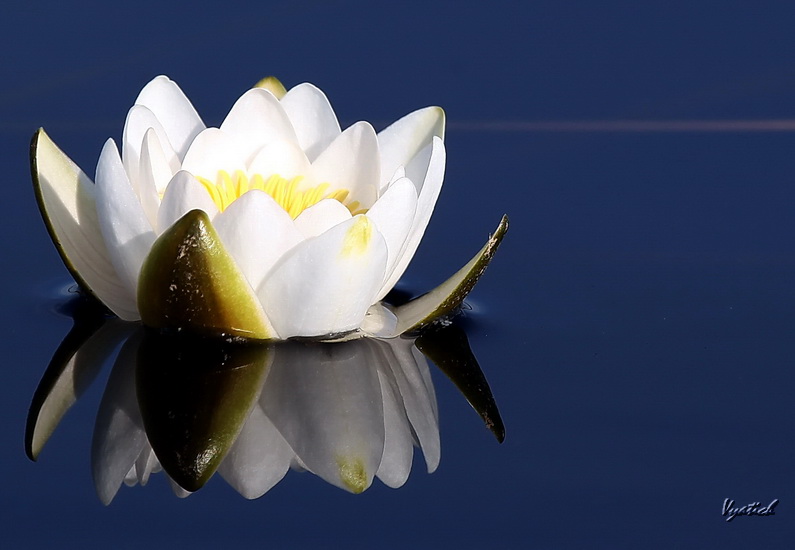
(226, 189)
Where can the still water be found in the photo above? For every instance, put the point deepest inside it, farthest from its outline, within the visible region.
(635, 328)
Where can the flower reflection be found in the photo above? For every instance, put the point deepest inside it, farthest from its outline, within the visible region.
(347, 412)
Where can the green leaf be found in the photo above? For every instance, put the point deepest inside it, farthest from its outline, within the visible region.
(72, 369)
(189, 281)
(449, 350)
(446, 298)
(66, 199)
(195, 395)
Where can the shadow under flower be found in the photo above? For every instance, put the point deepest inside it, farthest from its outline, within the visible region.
(347, 412)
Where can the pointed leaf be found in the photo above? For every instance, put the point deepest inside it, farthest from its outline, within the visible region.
(449, 349)
(447, 297)
(72, 369)
(67, 201)
(195, 395)
(190, 281)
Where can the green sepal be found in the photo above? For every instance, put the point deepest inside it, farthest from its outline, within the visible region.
(195, 395)
(189, 281)
(66, 199)
(446, 298)
(273, 85)
(49, 152)
(448, 348)
(72, 369)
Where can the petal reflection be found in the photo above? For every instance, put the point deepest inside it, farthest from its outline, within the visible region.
(119, 438)
(347, 411)
(73, 367)
(259, 459)
(195, 395)
(326, 402)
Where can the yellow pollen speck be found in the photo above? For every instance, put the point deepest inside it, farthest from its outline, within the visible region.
(226, 189)
(357, 237)
(352, 473)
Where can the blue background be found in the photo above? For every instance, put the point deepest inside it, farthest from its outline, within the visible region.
(636, 326)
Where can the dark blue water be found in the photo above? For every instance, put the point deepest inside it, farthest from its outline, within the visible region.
(635, 327)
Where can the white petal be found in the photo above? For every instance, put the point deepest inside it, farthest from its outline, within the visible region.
(67, 199)
(321, 217)
(401, 141)
(257, 119)
(426, 201)
(352, 162)
(183, 194)
(393, 214)
(213, 150)
(281, 158)
(257, 232)
(313, 118)
(139, 121)
(399, 173)
(326, 284)
(174, 111)
(154, 175)
(379, 322)
(259, 458)
(418, 167)
(127, 232)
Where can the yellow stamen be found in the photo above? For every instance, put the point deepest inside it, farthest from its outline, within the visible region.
(226, 189)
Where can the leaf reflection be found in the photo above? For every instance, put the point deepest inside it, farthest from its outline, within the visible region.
(347, 412)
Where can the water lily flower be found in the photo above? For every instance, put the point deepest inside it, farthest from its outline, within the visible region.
(276, 224)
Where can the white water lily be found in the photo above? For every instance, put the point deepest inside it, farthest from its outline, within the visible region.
(277, 224)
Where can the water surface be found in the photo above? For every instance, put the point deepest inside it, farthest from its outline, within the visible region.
(635, 327)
